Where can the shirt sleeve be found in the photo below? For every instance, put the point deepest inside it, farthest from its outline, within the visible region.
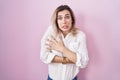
(82, 52)
(46, 55)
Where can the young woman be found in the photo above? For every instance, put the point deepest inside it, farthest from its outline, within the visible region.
(63, 46)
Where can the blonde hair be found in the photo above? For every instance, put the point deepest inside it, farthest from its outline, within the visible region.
(74, 30)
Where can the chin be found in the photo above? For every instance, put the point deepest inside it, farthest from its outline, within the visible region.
(65, 30)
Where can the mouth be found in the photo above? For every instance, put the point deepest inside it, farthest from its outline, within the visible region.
(65, 27)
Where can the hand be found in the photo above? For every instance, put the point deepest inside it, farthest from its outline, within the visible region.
(66, 60)
(53, 44)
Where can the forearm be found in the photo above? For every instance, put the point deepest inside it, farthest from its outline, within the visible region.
(70, 55)
(59, 59)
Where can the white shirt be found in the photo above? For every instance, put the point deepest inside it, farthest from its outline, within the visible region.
(59, 71)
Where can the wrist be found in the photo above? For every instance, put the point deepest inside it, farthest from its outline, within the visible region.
(63, 60)
(63, 49)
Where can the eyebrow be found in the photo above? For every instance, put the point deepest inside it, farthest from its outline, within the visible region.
(65, 14)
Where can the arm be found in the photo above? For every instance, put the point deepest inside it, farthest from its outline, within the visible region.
(63, 60)
(70, 57)
(69, 54)
(52, 44)
(80, 57)
(57, 59)
(45, 53)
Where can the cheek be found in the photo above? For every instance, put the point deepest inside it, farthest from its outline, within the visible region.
(59, 23)
(70, 23)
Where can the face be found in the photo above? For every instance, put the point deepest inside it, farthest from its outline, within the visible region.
(64, 21)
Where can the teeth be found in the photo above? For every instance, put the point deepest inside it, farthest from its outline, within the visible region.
(64, 26)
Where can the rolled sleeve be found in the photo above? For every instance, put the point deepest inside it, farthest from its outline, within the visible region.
(78, 63)
(50, 58)
(47, 57)
(82, 53)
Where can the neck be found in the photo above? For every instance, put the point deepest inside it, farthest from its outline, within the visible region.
(65, 33)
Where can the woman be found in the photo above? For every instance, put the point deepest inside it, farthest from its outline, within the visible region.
(63, 46)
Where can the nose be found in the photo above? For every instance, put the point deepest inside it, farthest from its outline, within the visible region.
(64, 20)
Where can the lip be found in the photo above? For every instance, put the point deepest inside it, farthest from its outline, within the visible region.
(65, 27)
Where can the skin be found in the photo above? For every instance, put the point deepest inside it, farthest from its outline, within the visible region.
(64, 21)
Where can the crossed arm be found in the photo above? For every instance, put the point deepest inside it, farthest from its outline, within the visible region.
(70, 57)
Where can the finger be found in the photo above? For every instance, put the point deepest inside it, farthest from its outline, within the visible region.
(52, 47)
(46, 44)
(54, 41)
(51, 42)
(47, 41)
(52, 37)
(48, 47)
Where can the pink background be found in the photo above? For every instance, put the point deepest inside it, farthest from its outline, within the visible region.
(23, 23)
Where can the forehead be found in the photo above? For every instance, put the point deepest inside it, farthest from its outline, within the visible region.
(64, 12)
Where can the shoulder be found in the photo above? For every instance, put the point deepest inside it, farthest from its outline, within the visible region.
(48, 32)
(81, 34)
(50, 28)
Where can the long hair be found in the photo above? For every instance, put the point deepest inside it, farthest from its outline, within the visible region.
(54, 19)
